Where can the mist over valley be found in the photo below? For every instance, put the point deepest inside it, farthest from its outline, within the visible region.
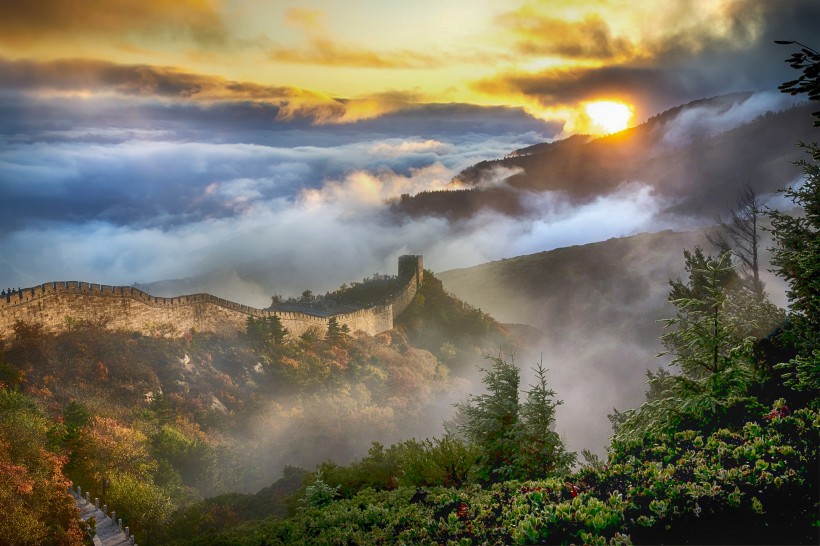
(530, 272)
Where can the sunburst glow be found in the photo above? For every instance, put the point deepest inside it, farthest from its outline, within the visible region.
(609, 116)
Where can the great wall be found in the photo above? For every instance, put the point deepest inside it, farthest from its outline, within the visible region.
(56, 304)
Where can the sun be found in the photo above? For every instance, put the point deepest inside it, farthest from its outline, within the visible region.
(608, 116)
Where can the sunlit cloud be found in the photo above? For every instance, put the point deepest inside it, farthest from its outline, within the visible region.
(411, 146)
(648, 55)
(103, 77)
(537, 34)
(90, 78)
(628, 31)
(322, 49)
(25, 24)
(561, 94)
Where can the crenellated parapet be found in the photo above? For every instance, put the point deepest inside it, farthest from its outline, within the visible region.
(56, 304)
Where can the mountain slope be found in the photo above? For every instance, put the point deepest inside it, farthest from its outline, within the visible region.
(596, 307)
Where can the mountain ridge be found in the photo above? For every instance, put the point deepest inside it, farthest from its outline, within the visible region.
(697, 165)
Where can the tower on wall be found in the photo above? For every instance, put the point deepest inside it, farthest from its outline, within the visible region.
(409, 265)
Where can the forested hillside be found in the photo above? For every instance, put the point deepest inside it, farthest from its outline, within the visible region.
(593, 310)
(154, 423)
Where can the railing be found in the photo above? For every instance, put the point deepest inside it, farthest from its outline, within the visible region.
(109, 519)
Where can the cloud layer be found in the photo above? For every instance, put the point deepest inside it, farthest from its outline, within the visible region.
(246, 148)
(548, 56)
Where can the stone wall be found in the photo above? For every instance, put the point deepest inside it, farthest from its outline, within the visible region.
(411, 271)
(126, 308)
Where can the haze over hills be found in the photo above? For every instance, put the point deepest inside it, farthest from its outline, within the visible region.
(554, 159)
(596, 305)
(678, 170)
(594, 312)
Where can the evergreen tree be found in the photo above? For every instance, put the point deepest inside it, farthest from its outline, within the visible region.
(514, 440)
(490, 421)
(276, 332)
(796, 254)
(75, 417)
(255, 330)
(711, 341)
(541, 451)
(796, 258)
(336, 333)
(807, 60)
(265, 332)
(701, 338)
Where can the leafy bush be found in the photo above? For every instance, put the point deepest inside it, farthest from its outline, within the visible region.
(756, 485)
(35, 506)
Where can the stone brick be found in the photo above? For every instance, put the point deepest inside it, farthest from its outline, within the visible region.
(56, 304)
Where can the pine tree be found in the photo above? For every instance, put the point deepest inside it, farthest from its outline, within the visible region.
(336, 333)
(796, 254)
(701, 337)
(265, 332)
(541, 451)
(514, 440)
(276, 332)
(490, 421)
(711, 341)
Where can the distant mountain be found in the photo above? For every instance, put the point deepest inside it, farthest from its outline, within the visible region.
(697, 155)
(619, 284)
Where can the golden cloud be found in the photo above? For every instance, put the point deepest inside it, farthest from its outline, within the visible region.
(559, 94)
(321, 49)
(341, 111)
(591, 38)
(652, 68)
(647, 30)
(91, 78)
(26, 23)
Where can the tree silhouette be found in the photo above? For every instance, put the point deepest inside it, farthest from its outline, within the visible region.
(796, 256)
(808, 61)
(740, 235)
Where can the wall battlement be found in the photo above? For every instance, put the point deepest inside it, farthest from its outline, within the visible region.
(55, 304)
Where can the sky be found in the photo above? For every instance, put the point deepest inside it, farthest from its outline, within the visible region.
(253, 144)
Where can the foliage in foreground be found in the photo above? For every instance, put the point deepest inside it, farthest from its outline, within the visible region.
(514, 439)
(755, 485)
(35, 506)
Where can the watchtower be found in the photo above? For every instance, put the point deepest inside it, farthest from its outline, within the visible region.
(409, 265)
